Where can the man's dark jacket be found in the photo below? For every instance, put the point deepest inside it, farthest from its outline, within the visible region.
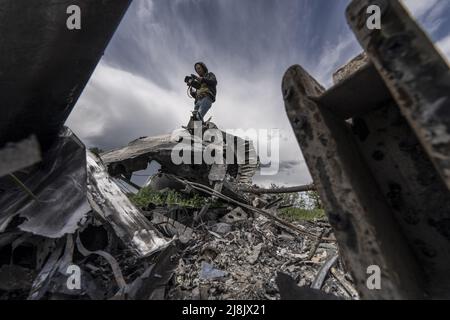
(208, 85)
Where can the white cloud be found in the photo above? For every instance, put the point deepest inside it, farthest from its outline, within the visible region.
(428, 12)
(419, 8)
(118, 106)
(444, 46)
(334, 55)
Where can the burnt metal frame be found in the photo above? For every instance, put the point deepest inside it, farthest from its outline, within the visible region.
(383, 175)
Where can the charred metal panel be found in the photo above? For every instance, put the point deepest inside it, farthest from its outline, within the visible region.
(44, 65)
(364, 223)
(414, 190)
(415, 72)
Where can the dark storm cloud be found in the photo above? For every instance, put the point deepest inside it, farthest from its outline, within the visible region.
(138, 90)
(242, 37)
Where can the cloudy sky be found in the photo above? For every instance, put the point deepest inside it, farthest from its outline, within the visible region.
(138, 90)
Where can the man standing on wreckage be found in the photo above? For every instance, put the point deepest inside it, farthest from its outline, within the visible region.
(202, 89)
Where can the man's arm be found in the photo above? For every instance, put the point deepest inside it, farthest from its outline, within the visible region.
(209, 79)
(193, 93)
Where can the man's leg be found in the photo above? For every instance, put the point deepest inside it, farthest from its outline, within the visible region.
(205, 105)
(196, 107)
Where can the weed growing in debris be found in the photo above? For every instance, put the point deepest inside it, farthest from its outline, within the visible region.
(297, 207)
(293, 214)
(147, 196)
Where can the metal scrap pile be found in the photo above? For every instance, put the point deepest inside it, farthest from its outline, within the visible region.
(240, 256)
(95, 244)
(67, 231)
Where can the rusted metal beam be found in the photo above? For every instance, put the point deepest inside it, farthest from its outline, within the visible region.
(416, 74)
(362, 220)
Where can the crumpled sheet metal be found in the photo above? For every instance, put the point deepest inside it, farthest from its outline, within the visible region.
(58, 183)
(115, 208)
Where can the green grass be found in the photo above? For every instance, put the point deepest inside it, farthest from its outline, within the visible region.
(147, 196)
(302, 214)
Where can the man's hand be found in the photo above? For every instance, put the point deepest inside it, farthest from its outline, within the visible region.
(197, 78)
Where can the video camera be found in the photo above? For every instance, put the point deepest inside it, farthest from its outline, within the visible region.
(192, 81)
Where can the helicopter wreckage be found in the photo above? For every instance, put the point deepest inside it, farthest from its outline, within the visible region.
(374, 145)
